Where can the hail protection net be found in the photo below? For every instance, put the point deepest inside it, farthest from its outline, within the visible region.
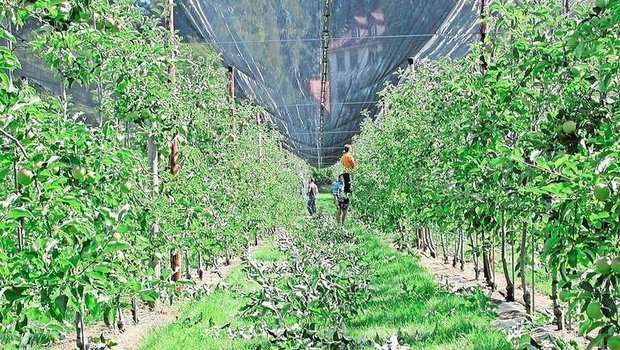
(277, 51)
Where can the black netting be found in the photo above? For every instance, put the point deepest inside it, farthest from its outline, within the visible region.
(275, 46)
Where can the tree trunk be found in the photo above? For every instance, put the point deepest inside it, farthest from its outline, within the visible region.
(457, 250)
(557, 311)
(64, 103)
(120, 323)
(188, 274)
(200, 263)
(442, 236)
(134, 310)
(21, 239)
(81, 340)
(175, 265)
(533, 274)
(100, 100)
(431, 244)
(420, 234)
(526, 293)
(510, 288)
(486, 265)
(462, 248)
(153, 155)
(9, 46)
(474, 251)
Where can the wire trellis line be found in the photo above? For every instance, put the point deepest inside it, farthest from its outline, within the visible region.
(380, 37)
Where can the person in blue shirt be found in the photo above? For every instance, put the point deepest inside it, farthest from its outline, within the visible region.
(313, 192)
(342, 203)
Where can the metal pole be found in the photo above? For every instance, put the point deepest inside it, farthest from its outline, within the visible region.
(324, 78)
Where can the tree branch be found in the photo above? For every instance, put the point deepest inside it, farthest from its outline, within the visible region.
(16, 141)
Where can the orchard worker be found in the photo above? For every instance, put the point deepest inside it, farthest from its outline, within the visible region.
(348, 163)
(342, 203)
(313, 191)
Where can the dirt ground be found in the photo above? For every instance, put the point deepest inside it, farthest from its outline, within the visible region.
(134, 335)
(455, 279)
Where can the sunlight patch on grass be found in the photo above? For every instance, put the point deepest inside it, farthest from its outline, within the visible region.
(408, 300)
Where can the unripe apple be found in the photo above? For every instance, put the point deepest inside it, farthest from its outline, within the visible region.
(569, 127)
(25, 176)
(79, 173)
(603, 266)
(126, 187)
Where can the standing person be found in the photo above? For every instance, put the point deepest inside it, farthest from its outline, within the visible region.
(342, 203)
(348, 163)
(313, 192)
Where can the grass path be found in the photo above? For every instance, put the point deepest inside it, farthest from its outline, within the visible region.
(406, 300)
(200, 322)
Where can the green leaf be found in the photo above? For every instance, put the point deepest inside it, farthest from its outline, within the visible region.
(149, 296)
(18, 213)
(116, 246)
(90, 301)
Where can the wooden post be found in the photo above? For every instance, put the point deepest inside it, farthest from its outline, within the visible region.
(484, 30)
(260, 139)
(175, 255)
(231, 94)
(325, 40)
(411, 63)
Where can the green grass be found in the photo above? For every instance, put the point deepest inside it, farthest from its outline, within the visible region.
(405, 299)
(200, 321)
(408, 299)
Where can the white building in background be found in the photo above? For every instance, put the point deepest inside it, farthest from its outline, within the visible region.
(350, 53)
(357, 49)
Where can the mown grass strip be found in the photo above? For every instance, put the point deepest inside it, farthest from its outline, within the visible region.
(408, 300)
(200, 322)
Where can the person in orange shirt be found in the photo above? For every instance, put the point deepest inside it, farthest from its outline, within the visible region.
(348, 163)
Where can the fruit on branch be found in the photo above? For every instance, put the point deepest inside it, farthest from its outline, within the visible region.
(64, 7)
(615, 265)
(565, 295)
(126, 187)
(569, 127)
(572, 42)
(601, 4)
(594, 310)
(25, 176)
(601, 192)
(78, 172)
(613, 343)
(603, 266)
(91, 177)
